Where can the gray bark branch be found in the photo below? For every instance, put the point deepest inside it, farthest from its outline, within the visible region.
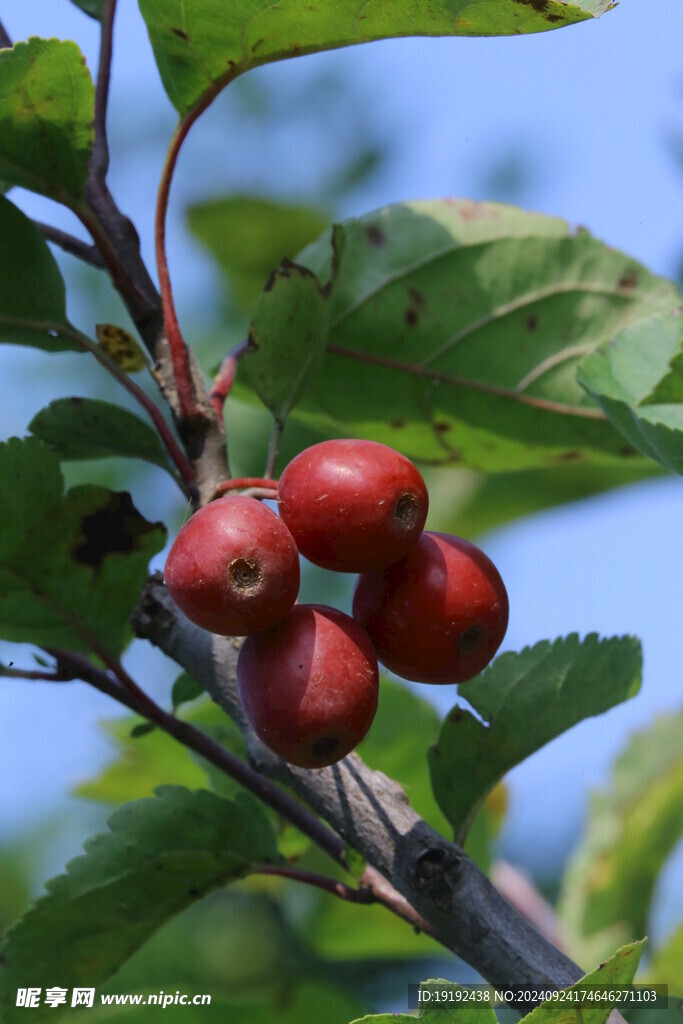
(374, 815)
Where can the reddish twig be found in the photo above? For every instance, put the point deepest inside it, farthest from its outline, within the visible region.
(225, 378)
(331, 885)
(172, 446)
(179, 355)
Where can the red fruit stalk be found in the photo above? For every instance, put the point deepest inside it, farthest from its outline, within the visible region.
(353, 505)
(309, 687)
(439, 616)
(234, 567)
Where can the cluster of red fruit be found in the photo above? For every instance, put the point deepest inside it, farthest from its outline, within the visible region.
(430, 606)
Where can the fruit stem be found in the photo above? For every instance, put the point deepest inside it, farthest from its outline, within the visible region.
(241, 483)
(274, 446)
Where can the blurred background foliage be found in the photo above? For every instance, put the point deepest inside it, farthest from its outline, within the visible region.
(278, 159)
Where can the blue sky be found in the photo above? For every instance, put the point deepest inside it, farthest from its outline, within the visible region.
(587, 115)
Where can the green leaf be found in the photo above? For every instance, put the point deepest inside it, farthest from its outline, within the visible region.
(633, 825)
(71, 566)
(451, 321)
(525, 700)
(250, 236)
(288, 334)
(467, 503)
(638, 380)
(32, 293)
(142, 729)
(666, 967)
(201, 45)
(160, 855)
(619, 970)
(87, 428)
(443, 1012)
(47, 103)
(95, 8)
(185, 688)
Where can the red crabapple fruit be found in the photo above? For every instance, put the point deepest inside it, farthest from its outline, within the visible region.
(439, 615)
(309, 687)
(234, 567)
(353, 505)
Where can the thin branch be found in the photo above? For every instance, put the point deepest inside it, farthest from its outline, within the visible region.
(5, 41)
(179, 352)
(8, 672)
(69, 243)
(121, 687)
(417, 370)
(225, 378)
(330, 885)
(187, 479)
(99, 160)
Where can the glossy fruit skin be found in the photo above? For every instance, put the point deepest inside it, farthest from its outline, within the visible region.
(353, 505)
(309, 687)
(438, 616)
(234, 567)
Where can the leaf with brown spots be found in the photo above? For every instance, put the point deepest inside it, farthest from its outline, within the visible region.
(201, 45)
(46, 111)
(122, 347)
(159, 855)
(467, 324)
(71, 565)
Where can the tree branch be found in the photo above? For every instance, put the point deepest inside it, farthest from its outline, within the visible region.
(99, 159)
(331, 885)
(69, 243)
(373, 814)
